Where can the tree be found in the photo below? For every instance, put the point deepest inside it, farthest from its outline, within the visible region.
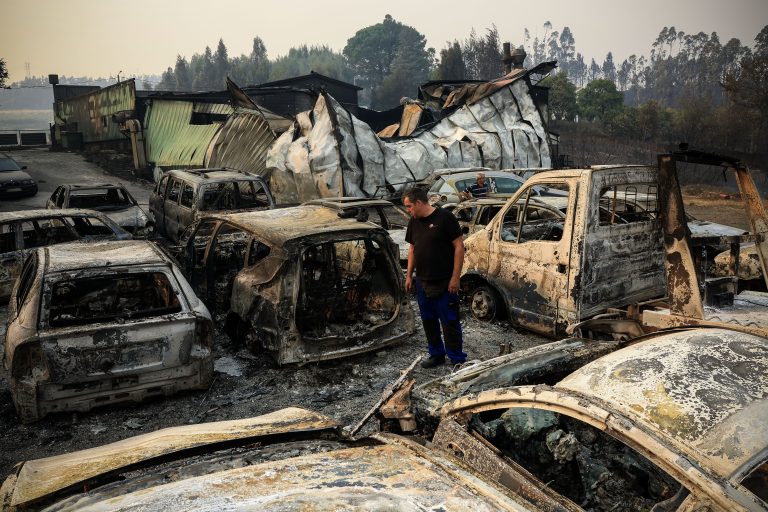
(372, 50)
(301, 60)
(451, 65)
(410, 68)
(3, 73)
(167, 81)
(600, 100)
(482, 55)
(562, 96)
(747, 84)
(609, 68)
(221, 62)
(183, 82)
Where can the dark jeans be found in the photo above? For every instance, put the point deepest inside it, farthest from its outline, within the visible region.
(441, 310)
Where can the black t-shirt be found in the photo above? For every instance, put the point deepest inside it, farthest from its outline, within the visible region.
(432, 239)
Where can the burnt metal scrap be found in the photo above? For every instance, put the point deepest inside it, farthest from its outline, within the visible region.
(329, 152)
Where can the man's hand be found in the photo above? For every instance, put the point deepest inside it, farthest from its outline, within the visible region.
(453, 285)
(408, 284)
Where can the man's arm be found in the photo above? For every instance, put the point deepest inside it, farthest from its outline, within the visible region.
(409, 272)
(458, 263)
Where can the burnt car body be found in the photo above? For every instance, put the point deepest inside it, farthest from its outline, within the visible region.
(114, 201)
(618, 434)
(103, 323)
(677, 419)
(23, 231)
(598, 247)
(301, 282)
(291, 459)
(182, 196)
(379, 211)
(14, 182)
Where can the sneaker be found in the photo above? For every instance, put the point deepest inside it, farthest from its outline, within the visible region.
(433, 361)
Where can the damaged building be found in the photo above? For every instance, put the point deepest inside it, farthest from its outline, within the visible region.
(310, 136)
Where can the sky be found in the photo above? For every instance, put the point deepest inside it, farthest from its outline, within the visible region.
(101, 38)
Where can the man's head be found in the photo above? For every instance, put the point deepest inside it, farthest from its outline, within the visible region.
(480, 178)
(415, 201)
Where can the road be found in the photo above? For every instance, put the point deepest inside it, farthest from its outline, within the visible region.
(51, 169)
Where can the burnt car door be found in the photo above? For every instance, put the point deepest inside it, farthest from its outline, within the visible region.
(192, 257)
(529, 258)
(173, 209)
(157, 203)
(225, 257)
(11, 257)
(57, 198)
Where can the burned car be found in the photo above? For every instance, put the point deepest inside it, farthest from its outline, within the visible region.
(114, 201)
(103, 323)
(291, 459)
(671, 421)
(22, 231)
(646, 427)
(301, 283)
(182, 197)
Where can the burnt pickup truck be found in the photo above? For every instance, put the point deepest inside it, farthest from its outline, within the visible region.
(602, 249)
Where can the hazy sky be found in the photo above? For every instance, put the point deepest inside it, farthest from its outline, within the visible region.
(102, 38)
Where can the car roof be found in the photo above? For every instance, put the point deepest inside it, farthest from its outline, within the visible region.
(488, 174)
(89, 186)
(80, 255)
(341, 203)
(207, 175)
(704, 390)
(46, 213)
(283, 224)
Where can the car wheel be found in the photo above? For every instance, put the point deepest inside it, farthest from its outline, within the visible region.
(485, 303)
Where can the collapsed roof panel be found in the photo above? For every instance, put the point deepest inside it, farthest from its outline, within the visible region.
(241, 143)
(495, 125)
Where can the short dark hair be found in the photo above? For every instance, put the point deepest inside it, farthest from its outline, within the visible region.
(416, 194)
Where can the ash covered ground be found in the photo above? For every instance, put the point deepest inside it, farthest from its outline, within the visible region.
(244, 385)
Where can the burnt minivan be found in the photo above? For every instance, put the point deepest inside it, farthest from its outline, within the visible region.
(302, 283)
(181, 197)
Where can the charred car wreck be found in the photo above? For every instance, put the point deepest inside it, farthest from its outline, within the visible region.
(103, 323)
(302, 283)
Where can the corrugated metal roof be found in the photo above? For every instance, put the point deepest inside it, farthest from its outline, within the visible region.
(170, 139)
(93, 112)
(242, 143)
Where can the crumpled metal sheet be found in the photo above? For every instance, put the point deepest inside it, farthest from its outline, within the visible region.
(500, 128)
(41, 477)
(241, 143)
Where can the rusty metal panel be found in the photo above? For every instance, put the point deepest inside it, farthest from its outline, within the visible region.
(41, 477)
(170, 138)
(756, 214)
(242, 143)
(92, 113)
(682, 286)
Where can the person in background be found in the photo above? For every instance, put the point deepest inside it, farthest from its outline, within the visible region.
(478, 189)
(437, 255)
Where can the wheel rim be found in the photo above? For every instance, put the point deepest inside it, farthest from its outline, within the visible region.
(483, 304)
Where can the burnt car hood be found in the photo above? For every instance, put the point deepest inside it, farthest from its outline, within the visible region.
(133, 216)
(704, 228)
(41, 478)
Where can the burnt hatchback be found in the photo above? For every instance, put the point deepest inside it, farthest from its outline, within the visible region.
(302, 283)
(102, 323)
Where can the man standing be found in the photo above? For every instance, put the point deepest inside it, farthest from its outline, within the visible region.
(479, 188)
(437, 255)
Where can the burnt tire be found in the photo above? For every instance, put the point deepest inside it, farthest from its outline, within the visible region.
(485, 303)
